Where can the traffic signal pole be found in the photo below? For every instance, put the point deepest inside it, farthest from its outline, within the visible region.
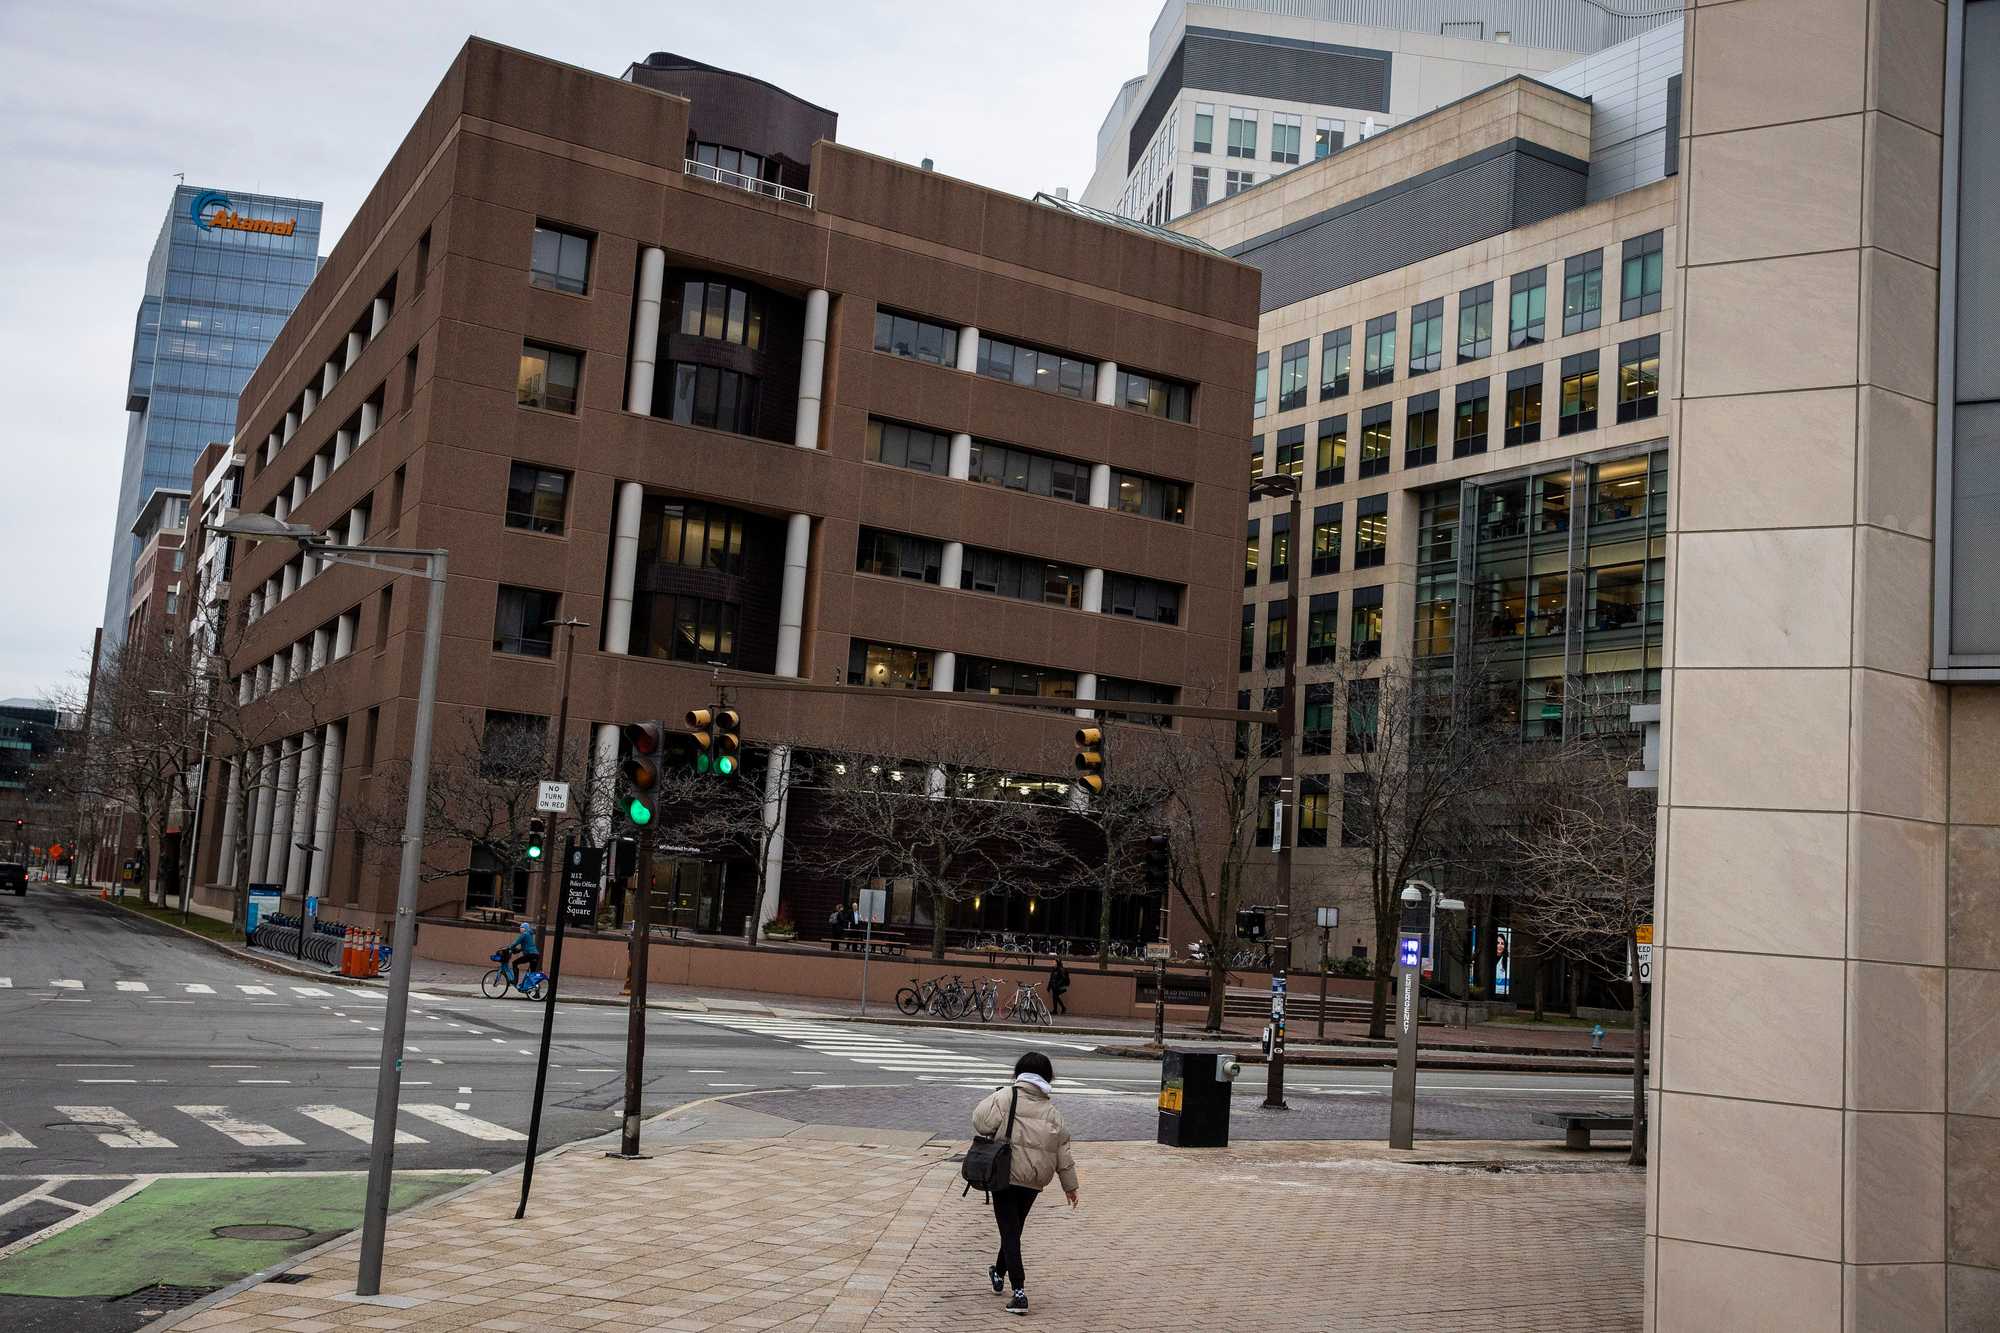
(1285, 826)
(635, 1022)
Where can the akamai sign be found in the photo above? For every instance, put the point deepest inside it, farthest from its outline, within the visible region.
(224, 219)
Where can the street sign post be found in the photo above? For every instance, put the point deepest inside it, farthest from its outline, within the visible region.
(1159, 951)
(873, 910)
(552, 798)
(581, 866)
(1403, 1090)
(1328, 918)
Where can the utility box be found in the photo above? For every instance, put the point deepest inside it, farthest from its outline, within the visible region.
(1194, 1098)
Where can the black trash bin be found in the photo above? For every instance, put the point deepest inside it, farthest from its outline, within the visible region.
(1194, 1098)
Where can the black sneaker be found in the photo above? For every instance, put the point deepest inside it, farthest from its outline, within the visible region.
(999, 1281)
(1019, 1305)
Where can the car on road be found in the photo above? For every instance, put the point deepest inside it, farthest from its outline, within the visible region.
(13, 875)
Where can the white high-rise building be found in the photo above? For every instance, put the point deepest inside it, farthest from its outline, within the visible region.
(1238, 91)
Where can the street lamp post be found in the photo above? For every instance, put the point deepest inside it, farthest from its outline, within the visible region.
(1285, 484)
(430, 565)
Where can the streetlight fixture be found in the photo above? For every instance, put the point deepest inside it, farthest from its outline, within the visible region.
(1286, 485)
(429, 564)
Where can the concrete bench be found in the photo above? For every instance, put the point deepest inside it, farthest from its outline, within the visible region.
(885, 944)
(1577, 1127)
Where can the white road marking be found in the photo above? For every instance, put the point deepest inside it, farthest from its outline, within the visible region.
(255, 990)
(119, 1066)
(461, 1106)
(107, 1080)
(6, 983)
(312, 991)
(118, 1130)
(596, 1071)
(267, 1082)
(246, 1132)
(232, 1066)
(133, 986)
(732, 1085)
(351, 1123)
(815, 1072)
(465, 1090)
(197, 988)
(157, 1000)
(67, 985)
(466, 1124)
(10, 1138)
(708, 1071)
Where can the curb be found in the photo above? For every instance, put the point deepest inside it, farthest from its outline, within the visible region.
(266, 962)
(1387, 1060)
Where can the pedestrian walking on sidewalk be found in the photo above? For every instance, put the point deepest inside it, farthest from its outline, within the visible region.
(1058, 983)
(1024, 1113)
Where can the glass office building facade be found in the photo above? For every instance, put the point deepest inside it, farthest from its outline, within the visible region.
(226, 273)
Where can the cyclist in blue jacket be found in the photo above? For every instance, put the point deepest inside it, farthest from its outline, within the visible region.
(524, 955)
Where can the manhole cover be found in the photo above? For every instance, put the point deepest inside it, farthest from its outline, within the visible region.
(160, 1299)
(261, 1231)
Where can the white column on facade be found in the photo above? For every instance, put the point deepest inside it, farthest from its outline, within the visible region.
(308, 402)
(299, 491)
(322, 464)
(961, 455)
(322, 640)
(281, 508)
(288, 580)
(792, 593)
(1093, 590)
(968, 349)
(246, 684)
(646, 331)
(777, 802)
(378, 317)
(343, 634)
(291, 428)
(304, 805)
(371, 417)
(328, 801)
(1100, 486)
(812, 371)
(266, 805)
(357, 525)
(262, 675)
(329, 376)
(271, 446)
(624, 567)
(232, 824)
(951, 565)
(1107, 383)
(944, 670)
(343, 445)
(355, 343)
(280, 670)
(282, 799)
(603, 784)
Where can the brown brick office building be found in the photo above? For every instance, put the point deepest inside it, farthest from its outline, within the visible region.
(657, 353)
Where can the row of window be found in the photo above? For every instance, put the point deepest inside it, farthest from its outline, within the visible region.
(1007, 574)
(922, 450)
(1322, 645)
(1030, 366)
(1527, 325)
(900, 667)
(1287, 128)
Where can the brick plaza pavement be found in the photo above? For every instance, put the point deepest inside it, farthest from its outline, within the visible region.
(745, 1221)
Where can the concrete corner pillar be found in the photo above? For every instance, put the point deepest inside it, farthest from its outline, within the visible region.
(355, 342)
(624, 567)
(1093, 590)
(343, 445)
(951, 565)
(812, 370)
(792, 593)
(968, 349)
(646, 330)
(232, 825)
(1100, 486)
(327, 807)
(1107, 383)
(378, 317)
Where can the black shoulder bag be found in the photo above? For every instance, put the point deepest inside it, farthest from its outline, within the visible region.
(989, 1162)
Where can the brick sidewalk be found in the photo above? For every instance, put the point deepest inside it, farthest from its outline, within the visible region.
(746, 1221)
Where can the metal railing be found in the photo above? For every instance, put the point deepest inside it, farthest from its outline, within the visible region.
(737, 180)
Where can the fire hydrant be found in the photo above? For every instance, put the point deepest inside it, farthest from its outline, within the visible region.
(1597, 1036)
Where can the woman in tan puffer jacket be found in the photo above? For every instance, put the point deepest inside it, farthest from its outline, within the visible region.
(1040, 1154)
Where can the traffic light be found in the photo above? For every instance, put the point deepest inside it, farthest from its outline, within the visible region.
(1250, 925)
(1090, 759)
(538, 833)
(702, 732)
(641, 770)
(728, 745)
(1159, 861)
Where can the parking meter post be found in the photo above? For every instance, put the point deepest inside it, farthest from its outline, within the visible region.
(1323, 946)
(867, 946)
(1403, 1088)
(635, 1025)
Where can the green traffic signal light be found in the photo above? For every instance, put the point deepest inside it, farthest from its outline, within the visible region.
(639, 812)
(534, 852)
(726, 765)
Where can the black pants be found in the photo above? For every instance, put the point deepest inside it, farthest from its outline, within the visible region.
(1059, 1005)
(1010, 1210)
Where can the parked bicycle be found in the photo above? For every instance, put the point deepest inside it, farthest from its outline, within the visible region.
(502, 979)
(1027, 1006)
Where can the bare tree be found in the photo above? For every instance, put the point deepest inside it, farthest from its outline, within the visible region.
(1132, 807)
(740, 814)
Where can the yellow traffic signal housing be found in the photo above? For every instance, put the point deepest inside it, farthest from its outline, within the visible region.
(1090, 759)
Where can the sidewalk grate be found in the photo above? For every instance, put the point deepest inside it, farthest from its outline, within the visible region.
(158, 1300)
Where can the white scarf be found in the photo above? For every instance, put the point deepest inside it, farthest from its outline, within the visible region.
(1036, 1081)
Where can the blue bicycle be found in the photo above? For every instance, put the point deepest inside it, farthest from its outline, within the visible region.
(496, 983)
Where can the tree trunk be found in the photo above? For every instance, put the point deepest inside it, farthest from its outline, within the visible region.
(1104, 921)
(1541, 976)
(1385, 953)
(939, 907)
(1218, 986)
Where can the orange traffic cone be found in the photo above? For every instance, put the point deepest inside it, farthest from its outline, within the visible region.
(347, 952)
(374, 967)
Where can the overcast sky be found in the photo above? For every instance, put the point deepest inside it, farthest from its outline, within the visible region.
(104, 102)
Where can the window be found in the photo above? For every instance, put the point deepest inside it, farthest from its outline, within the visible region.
(1420, 430)
(692, 535)
(1527, 308)
(1256, 457)
(1375, 439)
(521, 621)
(917, 338)
(725, 158)
(1204, 128)
(1326, 539)
(1236, 182)
(1330, 457)
(889, 667)
(713, 397)
(1426, 336)
(1149, 497)
(1316, 736)
(991, 677)
(1314, 792)
(1524, 406)
(1024, 470)
(1475, 322)
(1025, 578)
(1242, 132)
(1639, 378)
(1364, 707)
(1277, 635)
(1260, 392)
(684, 629)
(1281, 547)
(1329, 136)
(1378, 366)
(559, 259)
(1154, 395)
(1037, 368)
(1468, 434)
(1285, 129)
(1322, 628)
(1250, 546)
(897, 555)
(1142, 599)
(1639, 291)
(1357, 809)
(1364, 624)
(1198, 187)
(1371, 531)
(548, 378)
(1579, 393)
(910, 447)
(536, 497)
(1336, 352)
(1293, 366)
(1246, 656)
(724, 312)
(1583, 291)
(1115, 689)
(1292, 451)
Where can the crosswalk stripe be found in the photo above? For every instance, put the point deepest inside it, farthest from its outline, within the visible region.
(465, 1124)
(67, 985)
(118, 1129)
(197, 988)
(246, 1132)
(255, 990)
(312, 991)
(6, 983)
(133, 986)
(351, 1123)
(10, 1138)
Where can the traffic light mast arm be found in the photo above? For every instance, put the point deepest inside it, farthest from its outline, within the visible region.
(1008, 700)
